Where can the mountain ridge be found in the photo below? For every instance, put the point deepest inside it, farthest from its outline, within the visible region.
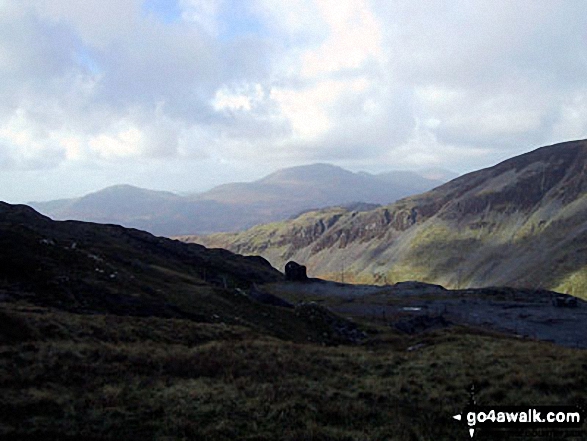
(489, 227)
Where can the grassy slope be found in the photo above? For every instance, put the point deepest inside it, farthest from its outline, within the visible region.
(517, 252)
(278, 242)
(70, 376)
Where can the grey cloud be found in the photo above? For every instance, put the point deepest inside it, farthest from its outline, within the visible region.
(6, 159)
(66, 70)
(533, 52)
(514, 72)
(178, 65)
(476, 42)
(13, 158)
(157, 66)
(35, 55)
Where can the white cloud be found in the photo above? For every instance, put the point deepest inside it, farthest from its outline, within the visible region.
(73, 146)
(354, 36)
(242, 98)
(125, 143)
(202, 12)
(572, 122)
(456, 84)
(306, 110)
(293, 18)
(336, 68)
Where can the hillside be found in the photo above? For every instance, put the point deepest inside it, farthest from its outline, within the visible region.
(520, 223)
(237, 206)
(109, 333)
(87, 268)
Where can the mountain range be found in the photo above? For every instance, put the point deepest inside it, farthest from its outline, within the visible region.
(520, 223)
(237, 206)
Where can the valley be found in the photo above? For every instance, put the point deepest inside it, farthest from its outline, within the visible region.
(309, 220)
(415, 307)
(109, 332)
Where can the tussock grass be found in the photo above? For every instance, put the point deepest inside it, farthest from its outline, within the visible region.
(102, 377)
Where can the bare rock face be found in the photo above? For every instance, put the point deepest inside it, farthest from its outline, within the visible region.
(295, 272)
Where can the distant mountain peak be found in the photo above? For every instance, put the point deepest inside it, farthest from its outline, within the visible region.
(124, 189)
(317, 171)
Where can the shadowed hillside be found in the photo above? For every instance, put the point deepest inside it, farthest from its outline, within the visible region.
(107, 269)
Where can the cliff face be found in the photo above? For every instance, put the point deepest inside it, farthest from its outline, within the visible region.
(522, 223)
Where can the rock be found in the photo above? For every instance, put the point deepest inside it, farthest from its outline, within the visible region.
(294, 272)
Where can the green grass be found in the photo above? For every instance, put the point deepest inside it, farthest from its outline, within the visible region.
(70, 376)
(574, 284)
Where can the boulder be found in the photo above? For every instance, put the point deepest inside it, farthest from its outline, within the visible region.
(295, 272)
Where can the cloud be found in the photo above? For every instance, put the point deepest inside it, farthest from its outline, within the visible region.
(354, 36)
(96, 24)
(490, 74)
(259, 84)
(202, 12)
(110, 82)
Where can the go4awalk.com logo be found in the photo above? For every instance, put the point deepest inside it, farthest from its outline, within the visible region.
(538, 420)
(521, 418)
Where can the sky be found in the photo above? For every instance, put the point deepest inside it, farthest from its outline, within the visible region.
(182, 95)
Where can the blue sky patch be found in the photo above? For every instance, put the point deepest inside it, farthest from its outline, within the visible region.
(168, 11)
(236, 19)
(87, 61)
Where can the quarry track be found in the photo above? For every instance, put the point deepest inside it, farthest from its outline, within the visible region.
(414, 307)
